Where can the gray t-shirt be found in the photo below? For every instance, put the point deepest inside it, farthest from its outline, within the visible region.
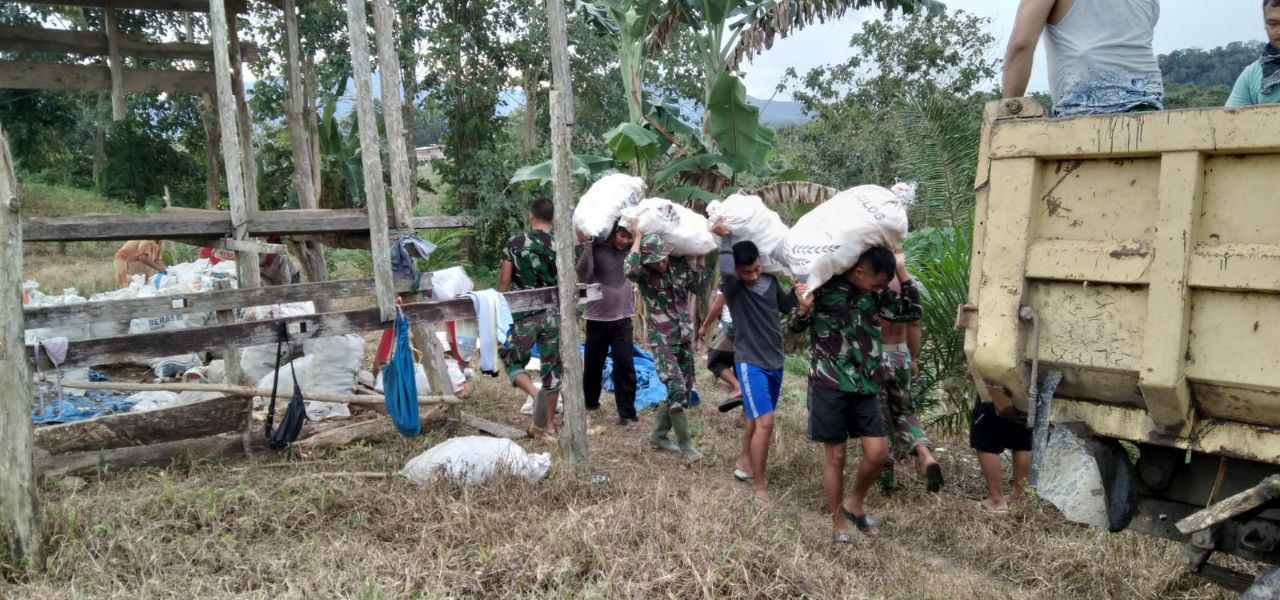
(601, 263)
(757, 313)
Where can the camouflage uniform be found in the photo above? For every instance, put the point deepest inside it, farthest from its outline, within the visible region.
(533, 265)
(844, 333)
(899, 411)
(667, 315)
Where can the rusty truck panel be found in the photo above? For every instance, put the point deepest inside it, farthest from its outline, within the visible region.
(1148, 246)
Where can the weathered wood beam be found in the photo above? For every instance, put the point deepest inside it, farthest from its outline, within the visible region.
(136, 348)
(139, 456)
(199, 6)
(235, 245)
(205, 302)
(371, 161)
(19, 510)
(198, 419)
(92, 43)
(247, 392)
(211, 224)
(310, 253)
(27, 75)
(232, 142)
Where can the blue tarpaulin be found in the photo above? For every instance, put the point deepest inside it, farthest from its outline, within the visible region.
(649, 389)
(68, 408)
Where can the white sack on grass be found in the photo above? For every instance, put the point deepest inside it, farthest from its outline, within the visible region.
(146, 401)
(601, 207)
(684, 229)
(476, 459)
(830, 239)
(750, 220)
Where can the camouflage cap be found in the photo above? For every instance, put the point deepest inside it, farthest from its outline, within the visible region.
(653, 249)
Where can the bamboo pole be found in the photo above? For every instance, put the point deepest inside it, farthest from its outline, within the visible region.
(374, 192)
(19, 512)
(573, 440)
(241, 390)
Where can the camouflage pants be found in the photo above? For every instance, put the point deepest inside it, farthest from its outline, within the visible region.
(896, 405)
(673, 359)
(541, 328)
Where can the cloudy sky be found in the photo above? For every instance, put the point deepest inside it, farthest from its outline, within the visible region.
(1183, 24)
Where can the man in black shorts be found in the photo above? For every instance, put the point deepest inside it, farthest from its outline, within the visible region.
(843, 319)
(990, 435)
(720, 350)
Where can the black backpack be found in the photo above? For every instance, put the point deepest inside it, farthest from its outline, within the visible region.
(291, 425)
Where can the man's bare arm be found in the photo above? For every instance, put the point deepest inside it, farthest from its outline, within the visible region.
(1021, 52)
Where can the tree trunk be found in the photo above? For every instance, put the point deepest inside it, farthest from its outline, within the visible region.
(311, 254)
(212, 140)
(99, 140)
(573, 441)
(530, 111)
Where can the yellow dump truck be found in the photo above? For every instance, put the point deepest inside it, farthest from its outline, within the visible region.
(1125, 287)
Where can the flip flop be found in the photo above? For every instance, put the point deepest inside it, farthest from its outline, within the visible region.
(864, 523)
(842, 537)
(733, 402)
(933, 478)
(742, 476)
(994, 511)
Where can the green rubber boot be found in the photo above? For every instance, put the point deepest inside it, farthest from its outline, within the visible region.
(680, 422)
(660, 439)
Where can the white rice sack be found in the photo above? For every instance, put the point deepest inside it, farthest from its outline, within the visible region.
(684, 229)
(601, 207)
(749, 219)
(146, 401)
(450, 283)
(830, 239)
(476, 459)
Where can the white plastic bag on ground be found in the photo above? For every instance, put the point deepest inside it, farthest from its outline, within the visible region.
(316, 411)
(684, 229)
(476, 459)
(749, 219)
(601, 207)
(830, 239)
(154, 400)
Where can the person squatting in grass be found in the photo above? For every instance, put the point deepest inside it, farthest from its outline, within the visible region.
(665, 283)
(901, 347)
(843, 320)
(529, 261)
(608, 321)
(759, 302)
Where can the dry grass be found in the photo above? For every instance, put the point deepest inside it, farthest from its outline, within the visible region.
(655, 529)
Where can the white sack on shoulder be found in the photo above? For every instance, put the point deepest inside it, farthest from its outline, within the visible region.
(599, 209)
(684, 229)
(749, 219)
(830, 239)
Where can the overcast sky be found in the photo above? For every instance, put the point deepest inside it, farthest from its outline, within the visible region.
(1183, 24)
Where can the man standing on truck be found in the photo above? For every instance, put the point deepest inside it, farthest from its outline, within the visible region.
(843, 320)
(1259, 83)
(901, 347)
(1099, 53)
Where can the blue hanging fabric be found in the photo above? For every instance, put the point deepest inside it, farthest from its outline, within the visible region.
(399, 385)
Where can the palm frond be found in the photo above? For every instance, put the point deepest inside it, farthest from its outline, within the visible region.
(771, 19)
(938, 137)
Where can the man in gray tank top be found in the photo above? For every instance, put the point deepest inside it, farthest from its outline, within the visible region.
(1099, 53)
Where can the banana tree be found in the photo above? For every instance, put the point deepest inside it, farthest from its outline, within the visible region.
(634, 26)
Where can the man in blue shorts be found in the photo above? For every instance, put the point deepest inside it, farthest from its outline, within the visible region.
(757, 303)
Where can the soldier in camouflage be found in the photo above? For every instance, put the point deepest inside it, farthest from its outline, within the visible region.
(529, 261)
(665, 284)
(843, 319)
(901, 345)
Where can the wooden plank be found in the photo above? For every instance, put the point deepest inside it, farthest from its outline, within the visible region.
(18, 74)
(198, 419)
(194, 224)
(1163, 377)
(116, 64)
(204, 302)
(246, 391)
(139, 456)
(492, 428)
(374, 193)
(135, 348)
(235, 245)
(197, 6)
(19, 508)
(393, 113)
(92, 43)
(573, 440)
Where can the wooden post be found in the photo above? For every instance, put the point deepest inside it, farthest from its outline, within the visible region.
(374, 192)
(311, 253)
(244, 121)
(573, 440)
(232, 157)
(117, 67)
(19, 517)
(424, 334)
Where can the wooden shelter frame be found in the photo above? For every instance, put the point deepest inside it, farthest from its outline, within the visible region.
(235, 229)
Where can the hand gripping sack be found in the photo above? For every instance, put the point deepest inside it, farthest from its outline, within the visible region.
(750, 220)
(829, 240)
(599, 209)
(684, 229)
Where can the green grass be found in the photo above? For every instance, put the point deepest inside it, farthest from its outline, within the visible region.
(50, 201)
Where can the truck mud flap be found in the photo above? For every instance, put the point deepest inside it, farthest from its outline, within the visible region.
(1091, 480)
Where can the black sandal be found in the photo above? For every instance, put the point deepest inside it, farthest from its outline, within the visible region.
(933, 478)
(864, 523)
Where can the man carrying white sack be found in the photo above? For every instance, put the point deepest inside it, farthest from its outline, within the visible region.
(757, 302)
(608, 321)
